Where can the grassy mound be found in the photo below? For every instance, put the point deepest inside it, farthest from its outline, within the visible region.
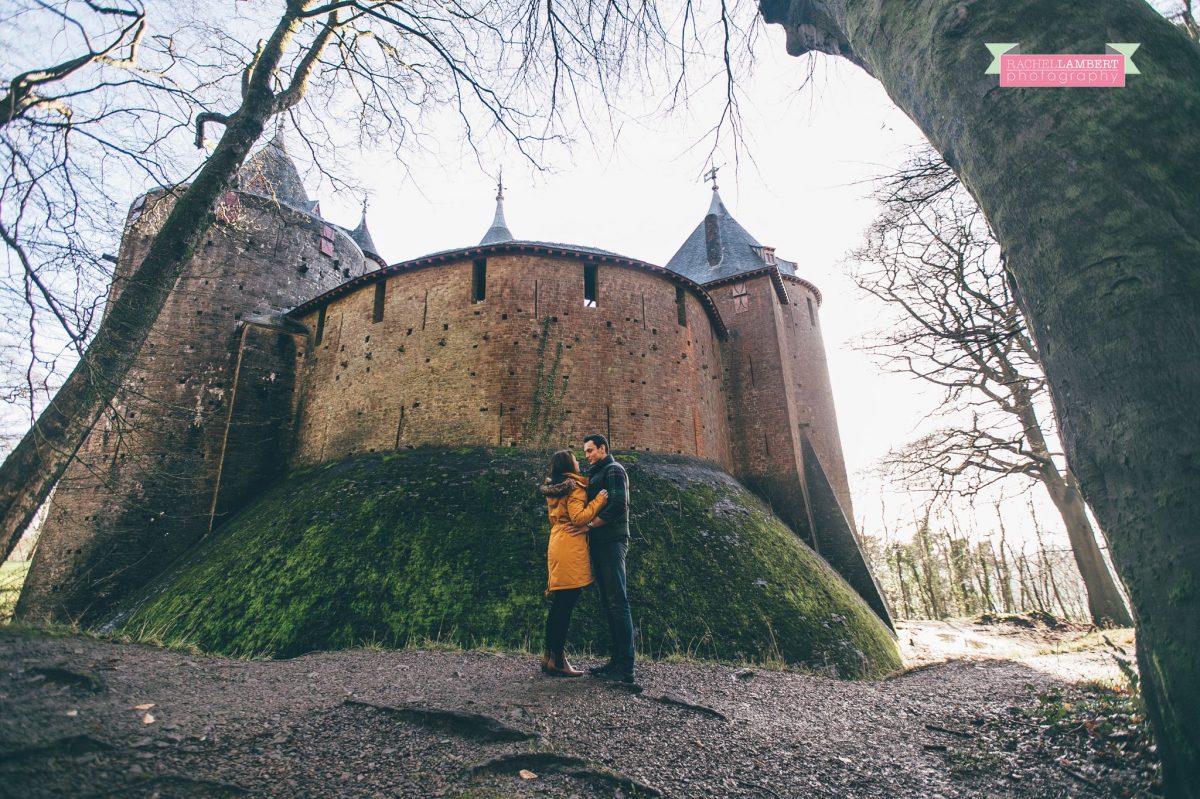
(450, 545)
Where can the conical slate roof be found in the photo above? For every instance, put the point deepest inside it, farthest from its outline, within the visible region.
(271, 173)
(499, 231)
(362, 236)
(720, 248)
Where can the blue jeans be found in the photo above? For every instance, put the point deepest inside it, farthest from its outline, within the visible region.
(608, 570)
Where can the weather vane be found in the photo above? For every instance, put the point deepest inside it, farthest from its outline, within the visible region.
(712, 175)
(500, 185)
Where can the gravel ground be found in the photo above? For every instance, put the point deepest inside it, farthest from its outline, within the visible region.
(87, 717)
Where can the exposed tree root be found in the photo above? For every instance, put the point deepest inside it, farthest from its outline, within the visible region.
(469, 725)
(70, 746)
(175, 785)
(678, 701)
(69, 678)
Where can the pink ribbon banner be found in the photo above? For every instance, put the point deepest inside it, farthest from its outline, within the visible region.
(1104, 71)
(1083, 70)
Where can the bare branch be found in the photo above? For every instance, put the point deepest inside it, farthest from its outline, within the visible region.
(203, 119)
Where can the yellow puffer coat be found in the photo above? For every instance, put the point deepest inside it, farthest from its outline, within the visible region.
(567, 555)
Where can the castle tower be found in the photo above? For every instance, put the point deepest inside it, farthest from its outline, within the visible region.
(783, 422)
(204, 416)
(362, 237)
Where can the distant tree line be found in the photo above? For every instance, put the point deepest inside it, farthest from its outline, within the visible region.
(943, 572)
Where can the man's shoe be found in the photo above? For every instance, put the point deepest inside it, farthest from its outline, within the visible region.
(617, 674)
(597, 671)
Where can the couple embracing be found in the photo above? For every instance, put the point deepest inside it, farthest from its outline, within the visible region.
(589, 538)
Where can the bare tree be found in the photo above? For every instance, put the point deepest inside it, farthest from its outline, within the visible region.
(932, 259)
(61, 161)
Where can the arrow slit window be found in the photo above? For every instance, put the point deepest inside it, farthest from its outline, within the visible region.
(589, 286)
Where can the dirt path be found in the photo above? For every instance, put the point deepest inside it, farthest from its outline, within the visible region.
(366, 723)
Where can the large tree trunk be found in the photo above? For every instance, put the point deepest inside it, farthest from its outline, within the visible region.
(1105, 604)
(1094, 195)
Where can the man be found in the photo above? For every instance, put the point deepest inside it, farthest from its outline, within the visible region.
(608, 543)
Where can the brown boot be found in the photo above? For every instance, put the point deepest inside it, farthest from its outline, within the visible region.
(557, 666)
(565, 667)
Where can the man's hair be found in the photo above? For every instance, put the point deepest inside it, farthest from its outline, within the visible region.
(597, 439)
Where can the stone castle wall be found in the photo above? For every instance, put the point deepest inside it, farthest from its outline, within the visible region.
(767, 449)
(786, 442)
(141, 489)
(810, 386)
(530, 366)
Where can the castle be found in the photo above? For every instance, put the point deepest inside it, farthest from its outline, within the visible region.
(289, 341)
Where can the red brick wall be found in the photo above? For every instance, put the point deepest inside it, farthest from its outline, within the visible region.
(810, 388)
(439, 369)
(766, 448)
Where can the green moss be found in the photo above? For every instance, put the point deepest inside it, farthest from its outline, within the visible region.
(450, 546)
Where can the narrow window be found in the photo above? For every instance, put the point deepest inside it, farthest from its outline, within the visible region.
(681, 305)
(320, 326)
(479, 280)
(327, 240)
(589, 285)
(741, 298)
(380, 293)
(812, 315)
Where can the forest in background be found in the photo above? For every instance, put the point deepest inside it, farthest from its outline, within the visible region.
(948, 569)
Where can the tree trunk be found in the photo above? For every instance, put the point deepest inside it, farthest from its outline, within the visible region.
(1105, 604)
(983, 577)
(1004, 570)
(1049, 581)
(1094, 195)
(905, 598)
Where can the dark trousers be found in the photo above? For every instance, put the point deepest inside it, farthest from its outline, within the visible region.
(559, 619)
(608, 570)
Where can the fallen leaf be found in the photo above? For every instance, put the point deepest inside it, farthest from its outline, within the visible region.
(147, 719)
(144, 707)
(526, 774)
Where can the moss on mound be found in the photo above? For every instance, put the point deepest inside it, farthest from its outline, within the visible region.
(450, 545)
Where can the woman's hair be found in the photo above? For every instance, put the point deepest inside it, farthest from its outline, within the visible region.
(561, 462)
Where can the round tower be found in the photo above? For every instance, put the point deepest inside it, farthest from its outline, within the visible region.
(206, 407)
(785, 439)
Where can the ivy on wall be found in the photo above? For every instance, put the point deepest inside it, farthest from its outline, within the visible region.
(547, 409)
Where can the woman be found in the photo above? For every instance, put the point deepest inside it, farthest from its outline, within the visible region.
(567, 556)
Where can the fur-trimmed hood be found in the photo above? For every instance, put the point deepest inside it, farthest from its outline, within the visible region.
(561, 489)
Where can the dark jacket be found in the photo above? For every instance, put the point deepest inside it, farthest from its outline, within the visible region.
(610, 475)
